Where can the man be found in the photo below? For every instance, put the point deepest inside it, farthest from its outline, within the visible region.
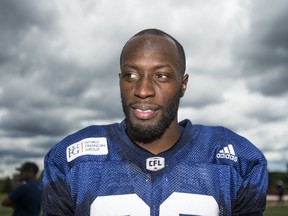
(26, 198)
(150, 164)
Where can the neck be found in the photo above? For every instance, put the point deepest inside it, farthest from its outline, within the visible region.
(165, 142)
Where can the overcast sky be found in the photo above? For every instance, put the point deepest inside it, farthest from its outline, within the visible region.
(59, 61)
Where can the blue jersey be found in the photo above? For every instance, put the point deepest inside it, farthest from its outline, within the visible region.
(27, 199)
(99, 171)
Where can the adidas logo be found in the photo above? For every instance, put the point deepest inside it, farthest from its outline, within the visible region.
(228, 153)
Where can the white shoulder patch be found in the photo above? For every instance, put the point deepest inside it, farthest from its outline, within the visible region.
(88, 146)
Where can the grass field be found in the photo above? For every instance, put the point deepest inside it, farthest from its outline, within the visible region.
(3, 210)
(273, 209)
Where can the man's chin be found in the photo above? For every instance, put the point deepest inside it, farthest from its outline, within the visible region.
(143, 127)
(144, 137)
(144, 132)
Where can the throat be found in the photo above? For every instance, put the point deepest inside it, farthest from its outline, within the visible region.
(162, 144)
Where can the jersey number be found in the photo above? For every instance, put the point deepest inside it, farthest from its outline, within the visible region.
(175, 204)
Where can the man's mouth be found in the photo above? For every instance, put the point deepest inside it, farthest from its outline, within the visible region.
(144, 111)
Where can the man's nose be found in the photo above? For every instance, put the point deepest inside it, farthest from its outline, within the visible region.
(145, 88)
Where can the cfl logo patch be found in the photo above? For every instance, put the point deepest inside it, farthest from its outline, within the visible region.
(155, 163)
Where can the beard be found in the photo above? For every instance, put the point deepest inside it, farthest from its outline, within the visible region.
(146, 133)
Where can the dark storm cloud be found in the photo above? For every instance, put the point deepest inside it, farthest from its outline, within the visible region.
(264, 51)
(31, 123)
(266, 115)
(38, 85)
(272, 82)
(17, 15)
(17, 18)
(107, 102)
(28, 153)
(44, 144)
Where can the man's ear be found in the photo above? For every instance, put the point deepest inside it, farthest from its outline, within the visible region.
(184, 84)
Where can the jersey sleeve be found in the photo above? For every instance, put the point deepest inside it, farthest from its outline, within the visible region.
(17, 194)
(56, 198)
(251, 197)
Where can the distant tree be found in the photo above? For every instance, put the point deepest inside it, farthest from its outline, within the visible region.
(274, 177)
(7, 185)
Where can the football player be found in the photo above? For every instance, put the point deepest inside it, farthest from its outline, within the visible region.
(151, 164)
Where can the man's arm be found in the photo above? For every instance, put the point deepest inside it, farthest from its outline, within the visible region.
(56, 198)
(7, 202)
(251, 197)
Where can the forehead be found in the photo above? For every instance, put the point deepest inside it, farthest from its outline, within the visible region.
(148, 46)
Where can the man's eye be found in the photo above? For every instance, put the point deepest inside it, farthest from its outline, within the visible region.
(129, 75)
(162, 76)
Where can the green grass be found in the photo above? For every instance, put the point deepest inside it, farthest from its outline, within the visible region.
(273, 209)
(4, 211)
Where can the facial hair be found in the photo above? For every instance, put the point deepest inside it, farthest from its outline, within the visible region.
(148, 133)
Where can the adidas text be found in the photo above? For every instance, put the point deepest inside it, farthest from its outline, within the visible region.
(227, 156)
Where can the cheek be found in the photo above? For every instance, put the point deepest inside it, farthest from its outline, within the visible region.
(125, 86)
(172, 98)
(125, 93)
(171, 93)
(126, 97)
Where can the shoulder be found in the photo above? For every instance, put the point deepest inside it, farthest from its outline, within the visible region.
(223, 137)
(20, 189)
(237, 151)
(91, 134)
(87, 132)
(226, 147)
